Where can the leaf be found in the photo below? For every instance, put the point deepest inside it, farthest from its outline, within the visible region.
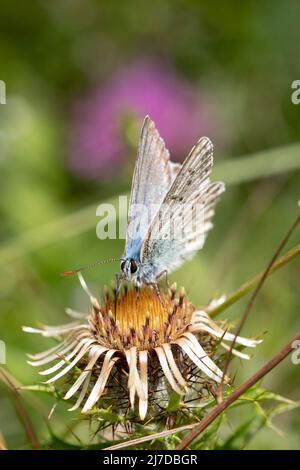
(48, 389)
(209, 438)
(257, 396)
(243, 434)
(175, 402)
(57, 443)
(106, 415)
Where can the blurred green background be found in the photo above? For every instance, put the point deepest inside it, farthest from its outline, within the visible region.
(79, 75)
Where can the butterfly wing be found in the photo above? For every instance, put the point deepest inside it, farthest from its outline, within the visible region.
(153, 175)
(179, 228)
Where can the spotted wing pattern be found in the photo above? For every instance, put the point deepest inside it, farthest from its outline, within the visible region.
(177, 231)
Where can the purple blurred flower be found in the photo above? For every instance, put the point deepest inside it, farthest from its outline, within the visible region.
(98, 145)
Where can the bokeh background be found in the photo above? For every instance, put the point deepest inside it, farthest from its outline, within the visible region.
(79, 78)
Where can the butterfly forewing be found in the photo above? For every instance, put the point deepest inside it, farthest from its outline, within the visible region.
(153, 176)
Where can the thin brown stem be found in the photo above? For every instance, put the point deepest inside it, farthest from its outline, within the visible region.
(252, 300)
(21, 411)
(252, 283)
(197, 429)
(218, 409)
(3, 445)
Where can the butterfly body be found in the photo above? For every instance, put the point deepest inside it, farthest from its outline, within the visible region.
(140, 274)
(170, 210)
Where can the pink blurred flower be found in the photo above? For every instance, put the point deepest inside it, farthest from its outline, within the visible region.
(98, 146)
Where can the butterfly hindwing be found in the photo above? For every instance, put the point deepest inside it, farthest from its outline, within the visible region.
(177, 231)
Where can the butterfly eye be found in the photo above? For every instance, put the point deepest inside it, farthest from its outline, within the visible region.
(133, 267)
(122, 265)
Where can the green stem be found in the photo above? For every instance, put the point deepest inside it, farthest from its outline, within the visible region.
(55, 231)
(231, 171)
(21, 411)
(249, 285)
(259, 165)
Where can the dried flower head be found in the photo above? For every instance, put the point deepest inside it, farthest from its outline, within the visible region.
(136, 349)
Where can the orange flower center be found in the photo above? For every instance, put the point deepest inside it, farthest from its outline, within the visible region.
(143, 318)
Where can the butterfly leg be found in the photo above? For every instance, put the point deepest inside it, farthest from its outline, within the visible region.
(164, 273)
(119, 279)
(137, 293)
(155, 286)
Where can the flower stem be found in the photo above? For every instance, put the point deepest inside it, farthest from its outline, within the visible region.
(196, 428)
(249, 285)
(218, 409)
(21, 411)
(253, 298)
(232, 171)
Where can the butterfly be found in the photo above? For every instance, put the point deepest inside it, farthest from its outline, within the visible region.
(174, 231)
(165, 226)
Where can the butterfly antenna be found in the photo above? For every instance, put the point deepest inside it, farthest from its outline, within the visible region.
(89, 266)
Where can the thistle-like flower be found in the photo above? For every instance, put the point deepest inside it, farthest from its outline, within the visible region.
(133, 348)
